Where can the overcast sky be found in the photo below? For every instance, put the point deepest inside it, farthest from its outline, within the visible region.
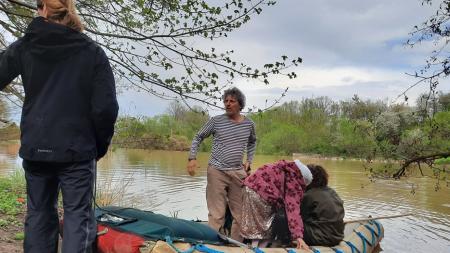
(348, 47)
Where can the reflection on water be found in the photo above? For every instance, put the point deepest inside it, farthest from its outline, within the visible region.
(157, 181)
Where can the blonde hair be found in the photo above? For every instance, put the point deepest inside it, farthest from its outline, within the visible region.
(63, 12)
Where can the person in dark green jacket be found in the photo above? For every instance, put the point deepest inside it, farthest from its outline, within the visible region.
(322, 211)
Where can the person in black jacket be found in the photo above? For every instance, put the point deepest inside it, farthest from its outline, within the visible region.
(67, 123)
(322, 211)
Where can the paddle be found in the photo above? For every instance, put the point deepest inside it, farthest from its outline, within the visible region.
(377, 218)
(232, 241)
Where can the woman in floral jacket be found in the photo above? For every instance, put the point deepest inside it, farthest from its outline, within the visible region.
(274, 186)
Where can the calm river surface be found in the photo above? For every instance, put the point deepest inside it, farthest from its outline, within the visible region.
(157, 181)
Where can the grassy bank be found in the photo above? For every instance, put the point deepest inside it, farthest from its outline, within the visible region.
(12, 212)
(9, 132)
(13, 207)
(12, 197)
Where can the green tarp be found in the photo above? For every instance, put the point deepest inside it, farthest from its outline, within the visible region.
(155, 226)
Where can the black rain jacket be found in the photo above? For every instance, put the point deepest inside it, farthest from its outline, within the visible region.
(70, 102)
(323, 217)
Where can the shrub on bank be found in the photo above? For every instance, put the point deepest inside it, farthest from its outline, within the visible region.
(12, 197)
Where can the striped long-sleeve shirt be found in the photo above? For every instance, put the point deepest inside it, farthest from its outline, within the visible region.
(230, 141)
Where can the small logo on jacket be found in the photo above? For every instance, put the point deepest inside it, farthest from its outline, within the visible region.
(44, 150)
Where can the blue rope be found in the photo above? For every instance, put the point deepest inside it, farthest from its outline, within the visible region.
(257, 250)
(315, 250)
(198, 247)
(380, 234)
(337, 250)
(352, 246)
(169, 241)
(203, 248)
(372, 231)
(291, 251)
(364, 240)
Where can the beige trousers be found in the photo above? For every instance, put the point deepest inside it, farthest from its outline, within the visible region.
(225, 188)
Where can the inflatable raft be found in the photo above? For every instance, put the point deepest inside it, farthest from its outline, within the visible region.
(135, 231)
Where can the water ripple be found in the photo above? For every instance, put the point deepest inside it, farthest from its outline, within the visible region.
(157, 181)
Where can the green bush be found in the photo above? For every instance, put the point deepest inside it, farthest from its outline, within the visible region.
(353, 128)
(12, 194)
(19, 236)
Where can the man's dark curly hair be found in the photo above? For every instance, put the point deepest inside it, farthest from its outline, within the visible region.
(320, 176)
(237, 94)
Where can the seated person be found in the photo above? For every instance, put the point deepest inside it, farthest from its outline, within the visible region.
(268, 189)
(322, 211)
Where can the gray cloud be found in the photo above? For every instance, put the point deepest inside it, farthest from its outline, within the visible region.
(329, 35)
(387, 91)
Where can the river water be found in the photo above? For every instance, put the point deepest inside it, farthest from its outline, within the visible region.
(157, 181)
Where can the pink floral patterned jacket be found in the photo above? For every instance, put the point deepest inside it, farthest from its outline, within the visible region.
(268, 182)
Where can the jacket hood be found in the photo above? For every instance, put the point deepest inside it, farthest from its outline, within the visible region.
(51, 41)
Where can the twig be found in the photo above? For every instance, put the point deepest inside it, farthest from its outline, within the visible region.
(378, 218)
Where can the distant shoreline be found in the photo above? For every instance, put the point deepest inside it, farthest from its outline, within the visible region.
(338, 158)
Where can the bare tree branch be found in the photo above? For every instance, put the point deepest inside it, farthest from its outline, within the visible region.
(420, 159)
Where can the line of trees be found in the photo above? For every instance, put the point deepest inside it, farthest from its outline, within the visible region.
(410, 136)
(171, 131)
(352, 128)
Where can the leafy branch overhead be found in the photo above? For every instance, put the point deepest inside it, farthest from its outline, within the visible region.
(437, 31)
(165, 47)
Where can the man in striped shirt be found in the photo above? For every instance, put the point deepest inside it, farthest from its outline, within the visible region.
(233, 134)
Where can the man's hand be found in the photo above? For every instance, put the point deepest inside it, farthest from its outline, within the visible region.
(191, 166)
(247, 168)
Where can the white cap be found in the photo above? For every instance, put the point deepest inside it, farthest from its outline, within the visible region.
(306, 173)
